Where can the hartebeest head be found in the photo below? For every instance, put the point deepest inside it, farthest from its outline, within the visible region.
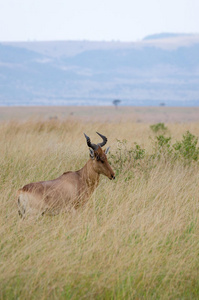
(98, 155)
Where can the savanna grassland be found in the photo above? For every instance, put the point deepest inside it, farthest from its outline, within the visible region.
(136, 238)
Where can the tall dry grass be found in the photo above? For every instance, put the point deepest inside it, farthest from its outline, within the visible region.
(136, 238)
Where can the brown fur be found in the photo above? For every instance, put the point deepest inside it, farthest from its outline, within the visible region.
(69, 190)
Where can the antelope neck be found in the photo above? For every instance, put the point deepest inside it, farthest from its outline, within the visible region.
(88, 174)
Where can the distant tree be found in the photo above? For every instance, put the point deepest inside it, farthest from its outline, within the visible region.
(116, 102)
(162, 104)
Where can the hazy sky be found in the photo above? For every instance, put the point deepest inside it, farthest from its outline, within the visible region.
(125, 20)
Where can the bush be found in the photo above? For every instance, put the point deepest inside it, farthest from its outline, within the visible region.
(158, 127)
(162, 146)
(135, 161)
(187, 149)
(125, 159)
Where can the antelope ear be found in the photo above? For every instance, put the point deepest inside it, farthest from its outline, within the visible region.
(106, 150)
(91, 153)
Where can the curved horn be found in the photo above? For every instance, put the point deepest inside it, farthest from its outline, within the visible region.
(104, 140)
(93, 146)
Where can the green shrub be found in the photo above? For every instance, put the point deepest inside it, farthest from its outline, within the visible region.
(187, 148)
(125, 159)
(135, 159)
(158, 127)
(162, 146)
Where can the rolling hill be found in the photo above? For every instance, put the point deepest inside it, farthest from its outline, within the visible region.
(159, 69)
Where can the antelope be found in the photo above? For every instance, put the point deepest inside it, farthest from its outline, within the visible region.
(70, 190)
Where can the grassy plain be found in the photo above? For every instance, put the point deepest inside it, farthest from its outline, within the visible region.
(137, 237)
